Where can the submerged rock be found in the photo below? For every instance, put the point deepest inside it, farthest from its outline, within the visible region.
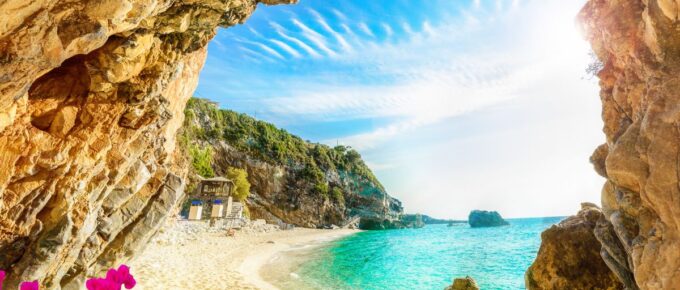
(569, 257)
(483, 218)
(466, 283)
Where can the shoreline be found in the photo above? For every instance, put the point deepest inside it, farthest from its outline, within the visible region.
(189, 255)
(252, 267)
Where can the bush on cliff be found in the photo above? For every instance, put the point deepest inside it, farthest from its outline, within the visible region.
(201, 160)
(338, 196)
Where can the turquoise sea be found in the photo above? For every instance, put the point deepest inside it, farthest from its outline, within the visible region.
(426, 258)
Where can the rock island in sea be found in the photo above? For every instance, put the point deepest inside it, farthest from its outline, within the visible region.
(483, 218)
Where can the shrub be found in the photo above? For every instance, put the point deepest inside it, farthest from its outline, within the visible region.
(201, 160)
(338, 196)
(239, 176)
(321, 189)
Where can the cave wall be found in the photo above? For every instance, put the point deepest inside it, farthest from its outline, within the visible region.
(638, 43)
(91, 97)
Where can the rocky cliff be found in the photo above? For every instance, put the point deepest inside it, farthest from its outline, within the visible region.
(91, 97)
(638, 45)
(292, 180)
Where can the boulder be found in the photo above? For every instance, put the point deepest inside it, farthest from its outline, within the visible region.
(569, 256)
(483, 218)
(466, 283)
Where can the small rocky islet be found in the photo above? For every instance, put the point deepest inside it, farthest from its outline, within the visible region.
(483, 219)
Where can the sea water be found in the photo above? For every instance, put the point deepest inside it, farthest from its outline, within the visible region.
(426, 258)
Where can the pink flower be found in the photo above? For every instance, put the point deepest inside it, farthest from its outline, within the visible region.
(113, 281)
(101, 284)
(29, 285)
(2, 278)
(122, 277)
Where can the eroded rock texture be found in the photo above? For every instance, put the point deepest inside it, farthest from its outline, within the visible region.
(91, 97)
(569, 257)
(638, 43)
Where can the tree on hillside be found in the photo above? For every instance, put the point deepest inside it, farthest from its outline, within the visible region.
(240, 178)
(201, 160)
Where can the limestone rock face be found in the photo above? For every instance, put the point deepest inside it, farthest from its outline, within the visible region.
(91, 97)
(638, 43)
(569, 257)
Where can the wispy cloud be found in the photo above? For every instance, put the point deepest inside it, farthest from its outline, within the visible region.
(317, 39)
(254, 32)
(407, 28)
(423, 79)
(255, 55)
(388, 30)
(263, 47)
(286, 48)
(365, 29)
(338, 37)
(282, 32)
(339, 14)
(423, 76)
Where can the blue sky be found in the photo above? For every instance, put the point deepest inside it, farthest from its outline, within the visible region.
(456, 105)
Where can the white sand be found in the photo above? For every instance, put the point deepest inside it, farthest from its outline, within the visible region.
(211, 260)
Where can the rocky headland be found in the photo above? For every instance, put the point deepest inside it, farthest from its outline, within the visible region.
(483, 218)
(292, 180)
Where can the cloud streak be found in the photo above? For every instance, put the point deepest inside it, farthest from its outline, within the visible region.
(314, 37)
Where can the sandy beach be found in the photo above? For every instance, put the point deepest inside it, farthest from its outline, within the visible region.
(191, 256)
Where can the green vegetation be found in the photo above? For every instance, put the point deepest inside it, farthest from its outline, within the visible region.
(201, 160)
(241, 185)
(338, 196)
(268, 143)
